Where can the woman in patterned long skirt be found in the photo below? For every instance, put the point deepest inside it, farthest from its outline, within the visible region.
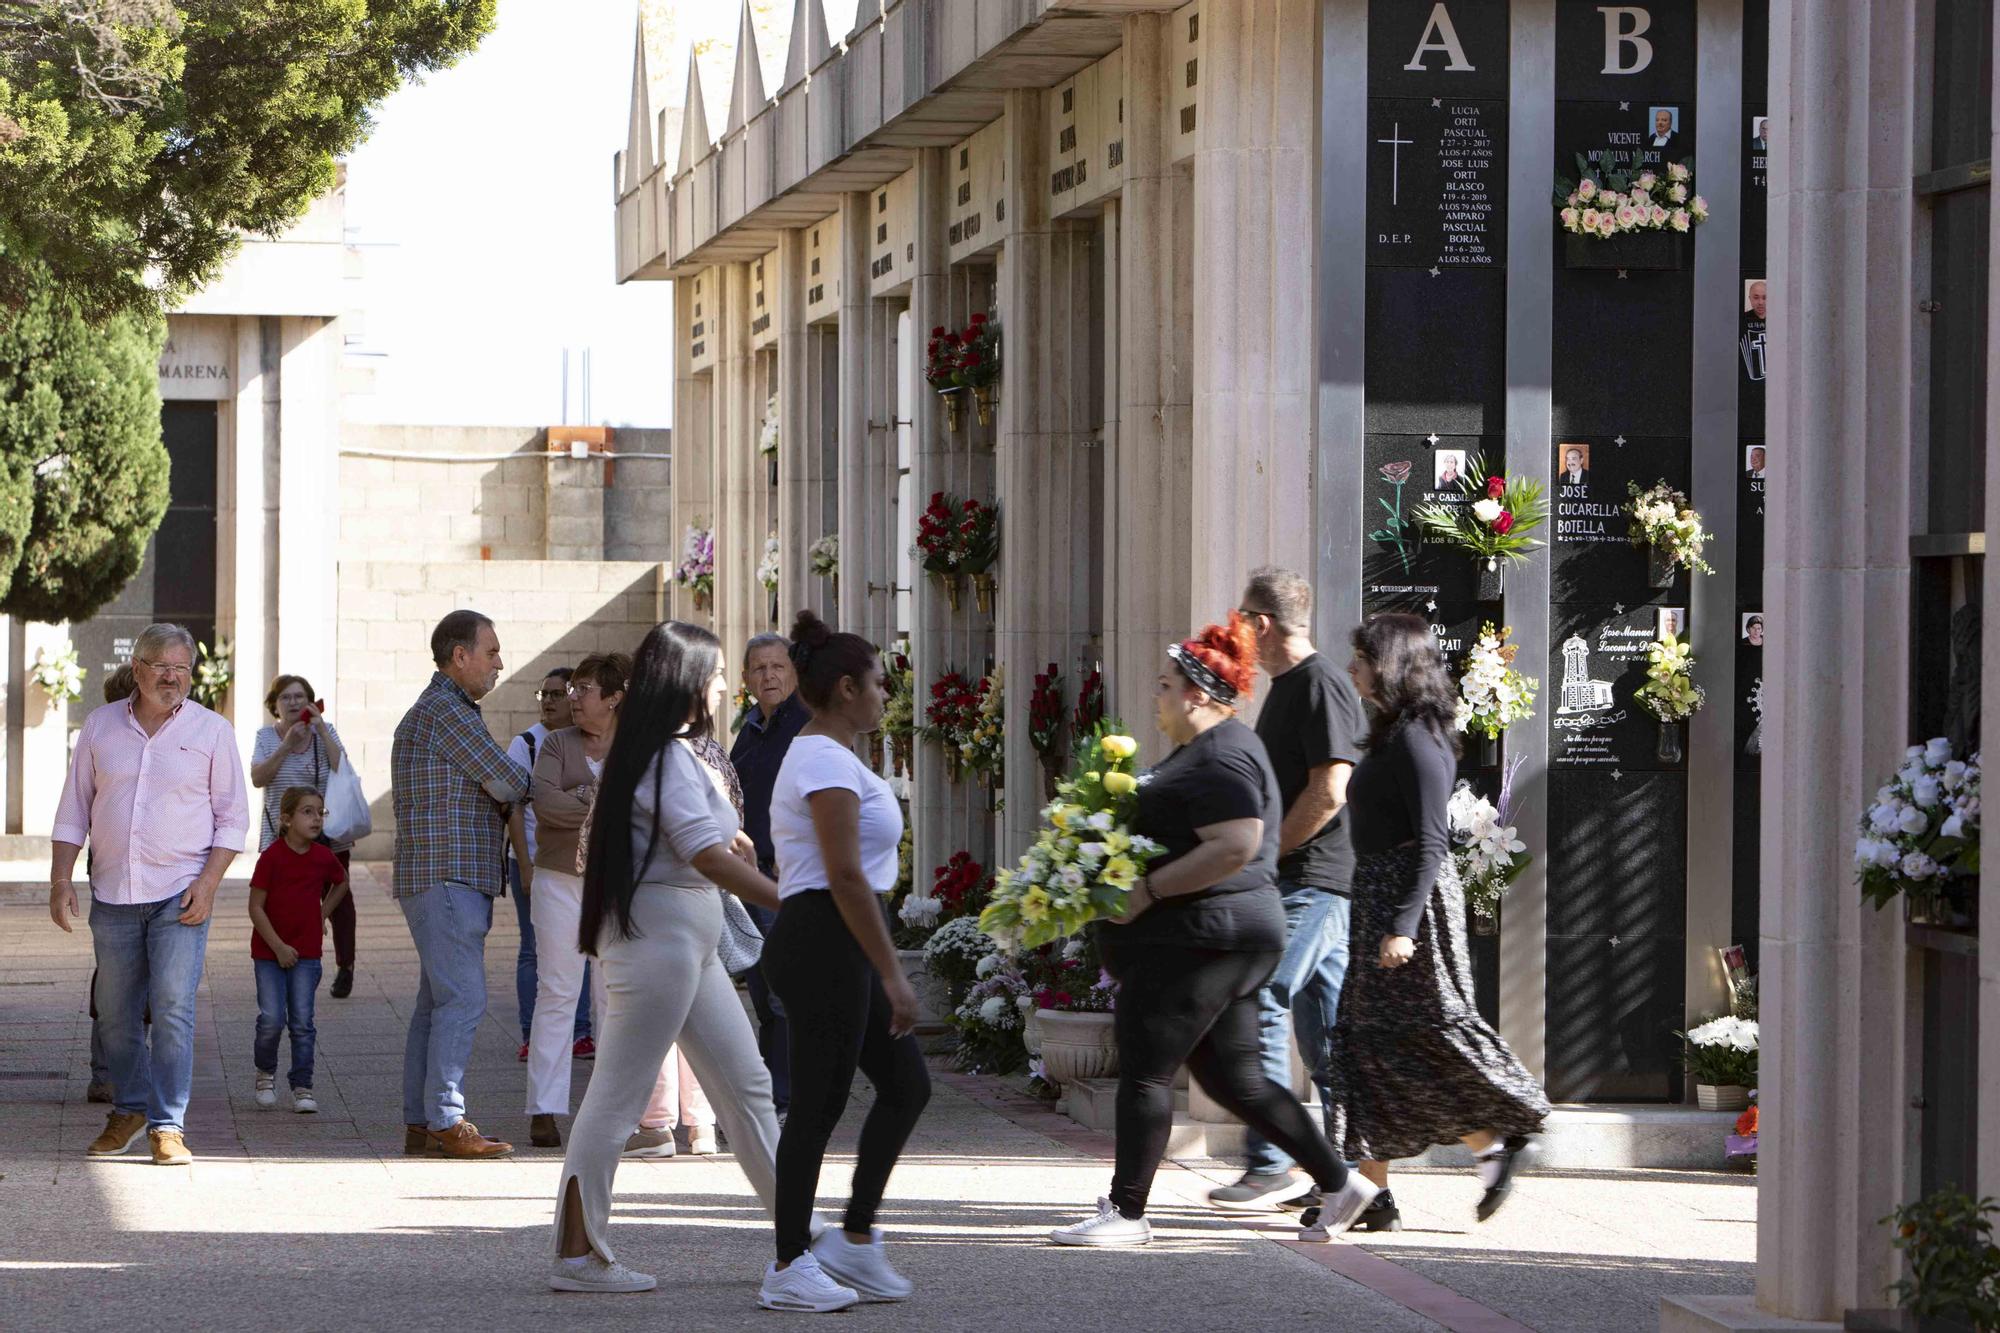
(1413, 1063)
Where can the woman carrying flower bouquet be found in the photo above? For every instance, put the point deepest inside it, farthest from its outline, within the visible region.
(1413, 1063)
(1204, 932)
(836, 827)
(662, 838)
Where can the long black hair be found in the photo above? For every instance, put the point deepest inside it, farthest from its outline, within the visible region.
(1411, 684)
(666, 698)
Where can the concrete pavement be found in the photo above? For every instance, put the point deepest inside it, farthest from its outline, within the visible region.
(308, 1222)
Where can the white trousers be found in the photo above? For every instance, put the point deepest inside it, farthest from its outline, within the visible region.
(677, 1098)
(665, 986)
(555, 904)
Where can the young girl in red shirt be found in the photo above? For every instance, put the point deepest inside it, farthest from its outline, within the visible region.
(290, 921)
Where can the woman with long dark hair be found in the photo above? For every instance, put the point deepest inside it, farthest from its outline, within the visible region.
(661, 842)
(1204, 931)
(1413, 1063)
(835, 827)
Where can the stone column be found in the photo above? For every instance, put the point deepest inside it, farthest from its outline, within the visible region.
(247, 549)
(1150, 534)
(1254, 372)
(692, 428)
(1835, 989)
(796, 450)
(857, 397)
(739, 537)
(308, 486)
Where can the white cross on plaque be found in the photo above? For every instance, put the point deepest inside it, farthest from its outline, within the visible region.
(1431, 606)
(1432, 437)
(1437, 102)
(1620, 441)
(1617, 775)
(1434, 270)
(1624, 106)
(1397, 143)
(1618, 608)
(1614, 941)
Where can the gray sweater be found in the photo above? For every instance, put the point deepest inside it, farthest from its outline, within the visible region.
(682, 812)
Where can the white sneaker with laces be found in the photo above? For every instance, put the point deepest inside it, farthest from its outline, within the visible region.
(267, 1090)
(1109, 1227)
(804, 1288)
(592, 1272)
(862, 1267)
(1335, 1215)
(303, 1101)
(701, 1141)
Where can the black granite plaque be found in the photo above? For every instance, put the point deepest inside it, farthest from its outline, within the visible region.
(1421, 48)
(1437, 181)
(1624, 352)
(1597, 662)
(1758, 137)
(1746, 856)
(1612, 1013)
(1592, 558)
(1437, 351)
(1641, 52)
(1401, 570)
(1750, 523)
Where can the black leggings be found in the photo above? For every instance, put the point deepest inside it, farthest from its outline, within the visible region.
(1198, 1007)
(839, 1019)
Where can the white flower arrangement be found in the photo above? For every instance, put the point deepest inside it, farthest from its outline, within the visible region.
(58, 675)
(1662, 518)
(1492, 695)
(767, 568)
(920, 913)
(1607, 201)
(1923, 826)
(961, 936)
(823, 556)
(1488, 854)
(1723, 1051)
(767, 439)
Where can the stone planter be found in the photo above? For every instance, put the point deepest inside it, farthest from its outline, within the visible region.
(1076, 1046)
(1031, 1029)
(933, 1000)
(1651, 250)
(1722, 1096)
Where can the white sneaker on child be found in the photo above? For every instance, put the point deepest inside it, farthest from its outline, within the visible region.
(862, 1267)
(804, 1288)
(302, 1101)
(267, 1090)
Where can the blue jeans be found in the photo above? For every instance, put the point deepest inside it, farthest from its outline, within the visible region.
(145, 956)
(524, 965)
(1306, 987)
(285, 998)
(449, 925)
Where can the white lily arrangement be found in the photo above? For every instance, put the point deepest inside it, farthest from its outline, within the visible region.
(1922, 827)
(823, 556)
(1489, 855)
(1492, 695)
(767, 439)
(767, 568)
(58, 675)
(1662, 518)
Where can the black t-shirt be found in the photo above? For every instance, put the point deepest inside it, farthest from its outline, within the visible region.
(1313, 717)
(1220, 775)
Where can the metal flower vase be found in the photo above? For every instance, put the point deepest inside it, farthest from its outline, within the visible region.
(983, 587)
(954, 409)
(985, 399)
(1491, 578)
(951, 586)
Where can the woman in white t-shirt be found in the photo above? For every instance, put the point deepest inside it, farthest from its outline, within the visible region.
(835, 827)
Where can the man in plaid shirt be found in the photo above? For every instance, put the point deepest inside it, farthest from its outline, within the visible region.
(455, 790)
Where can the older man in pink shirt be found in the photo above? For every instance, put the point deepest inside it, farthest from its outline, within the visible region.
(156, 787)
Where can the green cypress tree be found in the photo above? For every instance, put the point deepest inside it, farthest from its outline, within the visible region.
(83, 470)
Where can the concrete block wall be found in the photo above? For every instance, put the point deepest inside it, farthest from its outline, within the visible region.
(548, 613)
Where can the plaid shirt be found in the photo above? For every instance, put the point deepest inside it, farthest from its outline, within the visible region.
(453, 784)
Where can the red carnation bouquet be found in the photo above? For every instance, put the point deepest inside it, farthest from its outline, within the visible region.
(968, 358)
(952, 716)
(1089, 704)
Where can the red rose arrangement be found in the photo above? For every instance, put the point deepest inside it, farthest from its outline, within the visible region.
(958, 884)
(1045, 711)
(1089, 704)
(952, 714)
(957, 536)
(966, 359)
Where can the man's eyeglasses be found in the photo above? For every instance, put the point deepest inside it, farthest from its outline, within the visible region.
(169, 670)
(1251, 611)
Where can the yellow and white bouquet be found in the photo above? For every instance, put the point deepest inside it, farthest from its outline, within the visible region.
(1086, 858)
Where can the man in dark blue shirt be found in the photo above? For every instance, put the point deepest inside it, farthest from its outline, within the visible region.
(774, 719)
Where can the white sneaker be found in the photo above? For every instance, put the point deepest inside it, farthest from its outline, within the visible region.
(1335, 1215)
(804, 1288)
(651, 1143)
(701, 1141)
(591, 1272)
(267, 1090)
(302, 1101)
(862, 1267)
(1109, 1227)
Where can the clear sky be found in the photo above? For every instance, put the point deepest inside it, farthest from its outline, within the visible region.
(484, 206)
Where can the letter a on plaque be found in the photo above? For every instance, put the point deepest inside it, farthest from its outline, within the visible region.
(1617, 36)
(1439, 35)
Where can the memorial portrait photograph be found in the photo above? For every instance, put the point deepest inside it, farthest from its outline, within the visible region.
(1753, 462)
(1753, 629)
(1573, 464)
(1672, 620)
(1447, 469)
(1756, 298)
(1662, 124)
(1760, 134)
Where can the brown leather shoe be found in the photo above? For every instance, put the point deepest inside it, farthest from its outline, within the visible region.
(464, 1142)
(542, 1132)
(417, 1142)
(170, 1149)
(121, 1130)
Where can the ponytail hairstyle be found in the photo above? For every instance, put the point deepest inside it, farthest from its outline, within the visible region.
(1411, 684)
(1221, 661)
(824, 657)
(666, 699)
